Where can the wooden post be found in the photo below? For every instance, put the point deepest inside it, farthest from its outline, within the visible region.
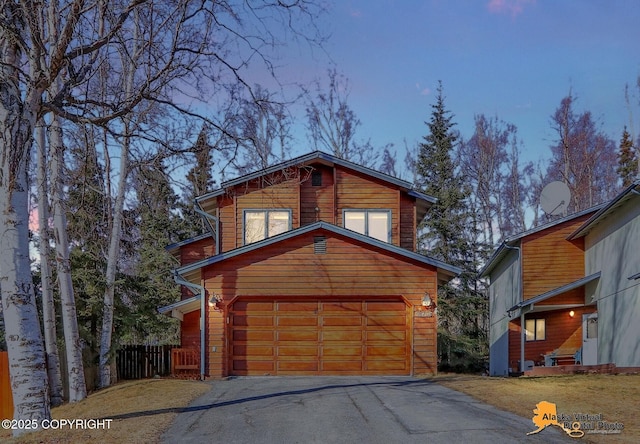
(6, 398)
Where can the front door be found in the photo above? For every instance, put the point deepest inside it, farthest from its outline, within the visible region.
(590, 339)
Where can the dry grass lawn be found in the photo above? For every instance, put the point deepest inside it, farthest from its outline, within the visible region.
(141, 411)
(616, 397)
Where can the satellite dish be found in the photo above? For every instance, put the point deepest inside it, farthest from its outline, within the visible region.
(555, 198)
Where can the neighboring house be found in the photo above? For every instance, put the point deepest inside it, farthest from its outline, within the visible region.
(574, 285)
(311, 268)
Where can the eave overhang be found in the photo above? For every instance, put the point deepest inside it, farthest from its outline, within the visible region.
(528, 305)
(605, 211)
(179, 309)
(445, 271)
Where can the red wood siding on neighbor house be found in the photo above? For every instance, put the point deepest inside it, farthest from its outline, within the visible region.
(348, 269)
(196, 251)
(562, 331)
(550, 261)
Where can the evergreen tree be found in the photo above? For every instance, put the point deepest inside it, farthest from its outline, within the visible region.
(446, 234)
(200, 181)
(150, 286)
(627, 160)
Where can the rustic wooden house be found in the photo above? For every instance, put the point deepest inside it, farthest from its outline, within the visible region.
(573, 285)
(310, 268)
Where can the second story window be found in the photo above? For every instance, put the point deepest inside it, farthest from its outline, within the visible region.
(261, 224)
(374, 223)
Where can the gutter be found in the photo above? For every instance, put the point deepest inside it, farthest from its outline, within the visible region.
(180, 281)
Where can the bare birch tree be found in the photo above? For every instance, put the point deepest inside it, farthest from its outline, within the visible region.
(48, 306)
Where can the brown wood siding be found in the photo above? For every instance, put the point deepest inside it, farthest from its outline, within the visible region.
(562, 331)
(320, 197)
(261, 194)
(196, 251)
(407, 222)
(190, 330)
(550, 261)
(357, 191)
(227, 225)
(347, 270)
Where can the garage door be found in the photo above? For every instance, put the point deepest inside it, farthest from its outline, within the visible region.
(312, 337)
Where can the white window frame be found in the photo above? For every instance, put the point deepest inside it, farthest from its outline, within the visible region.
(531, 336)
(266, 212)
(366, 212)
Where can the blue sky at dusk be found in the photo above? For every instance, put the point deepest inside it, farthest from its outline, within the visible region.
(514, 59)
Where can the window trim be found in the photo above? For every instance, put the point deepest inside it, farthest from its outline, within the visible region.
(535, 329)
(366, 212)
(266, 212)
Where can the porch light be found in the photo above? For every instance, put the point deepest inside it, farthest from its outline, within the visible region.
(426, 300)
(214, 300)
(572, 313)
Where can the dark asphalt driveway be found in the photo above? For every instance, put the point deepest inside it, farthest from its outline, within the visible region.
(346, 410)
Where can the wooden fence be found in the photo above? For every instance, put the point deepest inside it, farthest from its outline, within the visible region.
(143, 361)
(6, 399)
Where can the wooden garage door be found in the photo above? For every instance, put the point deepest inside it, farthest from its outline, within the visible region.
(312, 337)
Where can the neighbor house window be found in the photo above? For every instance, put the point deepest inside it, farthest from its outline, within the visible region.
(374, 223)
(261, 224)
(535, 329)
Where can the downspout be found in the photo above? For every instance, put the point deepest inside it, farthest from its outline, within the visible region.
(520, 294)
(180, 281)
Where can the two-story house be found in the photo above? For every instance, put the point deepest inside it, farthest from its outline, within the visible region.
(310, 268)
(569, 291)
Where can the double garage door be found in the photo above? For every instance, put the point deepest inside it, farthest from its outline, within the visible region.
(319, 337)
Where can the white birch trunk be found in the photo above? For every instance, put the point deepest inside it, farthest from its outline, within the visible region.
(112, 265)
(73, 343)
(27, 364)
(48, 306)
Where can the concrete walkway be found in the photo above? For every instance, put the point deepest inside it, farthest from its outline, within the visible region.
(346, 410)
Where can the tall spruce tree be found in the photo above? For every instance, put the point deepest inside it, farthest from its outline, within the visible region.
(446, 234)
(627, 160)
(200, 181)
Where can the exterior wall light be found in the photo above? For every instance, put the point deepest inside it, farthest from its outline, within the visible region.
(427, 301)
(572, 313)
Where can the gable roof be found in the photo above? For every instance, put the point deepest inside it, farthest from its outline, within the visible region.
(511, 241)
(606, 210)
(448, 271)
(177, 245)
(325, 158)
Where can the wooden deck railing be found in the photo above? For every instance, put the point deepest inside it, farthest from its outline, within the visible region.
(185, 362)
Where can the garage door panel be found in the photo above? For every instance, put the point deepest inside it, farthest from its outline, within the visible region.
(297, 335)
(342, 335)
(297, 350)
(342, 321)
(306, 366)
(296, 306)
(297, 321)
(341, 366)
(354, 350)
(252, 320)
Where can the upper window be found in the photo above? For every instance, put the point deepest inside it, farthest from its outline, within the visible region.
(261, 224)
(374, 223)
(535, 329)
